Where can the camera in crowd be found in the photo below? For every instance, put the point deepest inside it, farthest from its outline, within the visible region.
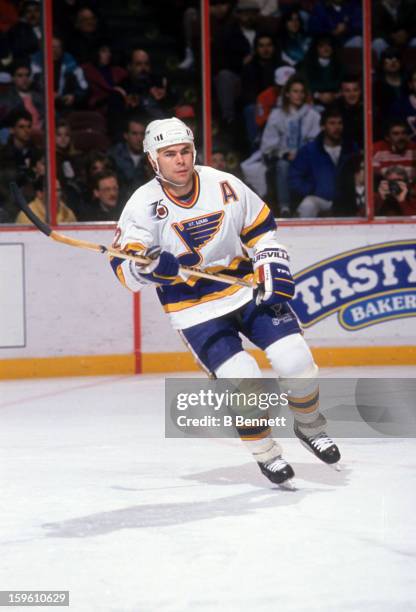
(395, 177)
(394, 187)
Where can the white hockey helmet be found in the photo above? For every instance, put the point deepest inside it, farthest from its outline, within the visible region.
(165, 132)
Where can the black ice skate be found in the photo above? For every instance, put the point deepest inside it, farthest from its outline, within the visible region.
(278, 471)
(321, 445)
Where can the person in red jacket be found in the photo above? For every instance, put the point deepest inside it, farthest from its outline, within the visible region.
(9, 15)
(268, 98)
(395, 150)
(102, 77)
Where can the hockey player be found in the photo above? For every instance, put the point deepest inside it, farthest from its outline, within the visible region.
(199, 216)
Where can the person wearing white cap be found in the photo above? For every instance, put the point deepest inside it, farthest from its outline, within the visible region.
(254, 168)
(269, 98)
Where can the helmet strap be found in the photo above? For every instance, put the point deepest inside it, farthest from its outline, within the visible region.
(159, 175)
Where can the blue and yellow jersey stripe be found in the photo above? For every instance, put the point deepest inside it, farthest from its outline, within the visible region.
(264, 222)
(182, 295)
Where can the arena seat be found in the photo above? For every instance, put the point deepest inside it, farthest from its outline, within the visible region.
(90, 140)
(80, 120)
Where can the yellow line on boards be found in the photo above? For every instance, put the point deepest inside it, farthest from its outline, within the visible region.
(325, 357)
(75, 365)
(105, 365)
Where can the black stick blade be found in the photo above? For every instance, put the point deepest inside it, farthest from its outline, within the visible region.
(21, 203)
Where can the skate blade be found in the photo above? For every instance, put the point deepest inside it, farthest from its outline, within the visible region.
(335, 466)
(288, 485)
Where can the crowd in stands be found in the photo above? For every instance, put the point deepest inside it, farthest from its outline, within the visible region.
(292, 76)
(288, 114)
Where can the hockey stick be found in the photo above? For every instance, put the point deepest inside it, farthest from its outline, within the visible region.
(100, 248)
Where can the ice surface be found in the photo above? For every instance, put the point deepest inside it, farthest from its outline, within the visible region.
(96, 501)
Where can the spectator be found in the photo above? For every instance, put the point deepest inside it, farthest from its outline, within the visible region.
(128, 156)
(142, 91)
(266, 8)
(288, 128)
(63, 215)
(87, 35)
(258, 73)
(86, 38)
(270, 97)
(322, 70)
(71, 88)
(395, 194)
(5, 60)
(95, 163)
(105, 205)
(314, 171)
(69, 160)
(25, 37)
(102, 77)
(65, 14)
(139, 72)
(160, 98)
(294, 43)
(395, 150)
(70, 85)
(39, 163)
(221, 20)
(25, 177)
(388, 86)
(340, 19)
(218, 159)
(19, 152)
(9, 15)
(350, 188)
(27, 174)
(254, 168)
(393, 23)
(404, 108)
(69, 165)
(350, 104)
(256, 76)
(235, 49)
(190, 24)
(22, 96)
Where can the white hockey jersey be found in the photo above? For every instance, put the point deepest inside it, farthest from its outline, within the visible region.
(215, 230)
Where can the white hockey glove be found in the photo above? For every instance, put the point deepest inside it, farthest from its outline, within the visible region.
(163, 269)
(275, 284)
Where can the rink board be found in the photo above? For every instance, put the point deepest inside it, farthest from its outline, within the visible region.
(356, 295)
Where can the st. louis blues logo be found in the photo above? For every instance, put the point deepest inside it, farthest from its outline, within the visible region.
(364, 286)
(196, 233)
